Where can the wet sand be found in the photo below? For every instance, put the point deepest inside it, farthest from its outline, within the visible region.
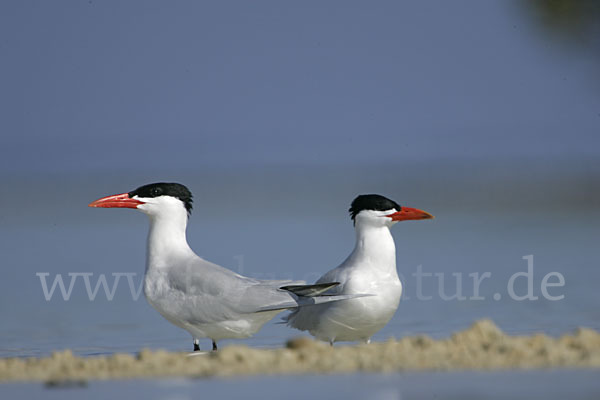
(483, 346)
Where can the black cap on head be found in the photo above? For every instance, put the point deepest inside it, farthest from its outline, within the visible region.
(374, 202)
(176, 190)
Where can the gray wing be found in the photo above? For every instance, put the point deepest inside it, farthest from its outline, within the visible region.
(335, 275)
(210, 292)
(310, 290)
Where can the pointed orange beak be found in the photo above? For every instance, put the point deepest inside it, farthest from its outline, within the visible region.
(116, 201)
(407, 214)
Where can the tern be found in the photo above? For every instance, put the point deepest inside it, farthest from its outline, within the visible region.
(203, 298)
(370, 268)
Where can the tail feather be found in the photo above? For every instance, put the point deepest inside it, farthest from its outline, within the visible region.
(308, 295)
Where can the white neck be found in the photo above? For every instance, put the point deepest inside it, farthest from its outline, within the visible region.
(375, 247)
(167, 242)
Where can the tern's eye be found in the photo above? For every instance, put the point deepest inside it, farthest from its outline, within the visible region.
(156, 191)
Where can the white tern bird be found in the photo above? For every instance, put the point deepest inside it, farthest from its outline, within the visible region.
(370, 269)
(203, 298)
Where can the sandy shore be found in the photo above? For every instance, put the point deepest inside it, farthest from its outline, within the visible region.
(483, 347)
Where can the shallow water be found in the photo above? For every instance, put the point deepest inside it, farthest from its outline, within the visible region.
(283, 238)
(553, 384)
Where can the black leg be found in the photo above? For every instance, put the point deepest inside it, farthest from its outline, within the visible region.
(214, 345)
(196, 347)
